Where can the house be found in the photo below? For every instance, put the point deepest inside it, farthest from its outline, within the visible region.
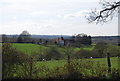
(60, 41)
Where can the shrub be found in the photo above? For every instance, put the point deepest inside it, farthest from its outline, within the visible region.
(85, 54)
(53, 54)
(100, 48)
(10, 58)
(113, 50)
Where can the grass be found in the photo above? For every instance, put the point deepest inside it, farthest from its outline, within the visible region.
(54, 63)
(114, 61)
(34, 48)
(51, 64)
(28, 48)
(60, 63)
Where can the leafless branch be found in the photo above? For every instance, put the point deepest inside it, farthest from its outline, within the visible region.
(104, 15)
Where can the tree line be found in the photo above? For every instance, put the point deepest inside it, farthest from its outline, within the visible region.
(75, 40)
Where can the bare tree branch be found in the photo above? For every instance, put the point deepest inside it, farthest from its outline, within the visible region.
(104, 15)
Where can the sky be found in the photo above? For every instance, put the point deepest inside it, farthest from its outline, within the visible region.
(52, 17)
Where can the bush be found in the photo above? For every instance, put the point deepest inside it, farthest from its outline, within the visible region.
(100, 48)
(10, 58)
(113, 50)
(86, 54)
(53, 54)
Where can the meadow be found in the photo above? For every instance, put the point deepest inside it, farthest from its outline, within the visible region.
(77, 68)
(33, 48)
(55, 63)
(99, 65)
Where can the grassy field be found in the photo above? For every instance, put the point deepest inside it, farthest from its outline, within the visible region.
(33, 48)
(54, 63)
(114, 61)
(44, 69)
(60, 63)
(28, 48)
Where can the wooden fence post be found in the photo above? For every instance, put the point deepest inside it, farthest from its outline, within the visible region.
(109, 63)
(68, 59)
(31, 67)
(68, 64)
(119, 66)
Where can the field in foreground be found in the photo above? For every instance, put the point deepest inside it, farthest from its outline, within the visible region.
(84, 66)
(32, 48)
(55, 63)
(76, 68)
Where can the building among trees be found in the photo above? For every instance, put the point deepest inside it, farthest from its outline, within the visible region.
(76, 40)
(60, 41)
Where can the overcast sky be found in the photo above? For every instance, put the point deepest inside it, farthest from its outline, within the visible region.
(49, 17)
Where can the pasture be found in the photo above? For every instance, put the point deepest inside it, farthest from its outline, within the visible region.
(33, 48)
(82, 67)
(54, 68)
(102, 61)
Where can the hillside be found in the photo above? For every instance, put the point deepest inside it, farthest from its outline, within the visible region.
(108, 39)
(34, 48)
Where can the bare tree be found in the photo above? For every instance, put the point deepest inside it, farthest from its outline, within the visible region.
(108, 11)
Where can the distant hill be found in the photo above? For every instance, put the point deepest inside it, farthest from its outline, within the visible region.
(42, 36)
(49, 36)
(95, 39)
(107, 39)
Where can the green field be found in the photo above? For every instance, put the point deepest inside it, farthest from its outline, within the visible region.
(55, 63)
(33, 48)
(99, 65)
(28, 48)
(88, 67)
